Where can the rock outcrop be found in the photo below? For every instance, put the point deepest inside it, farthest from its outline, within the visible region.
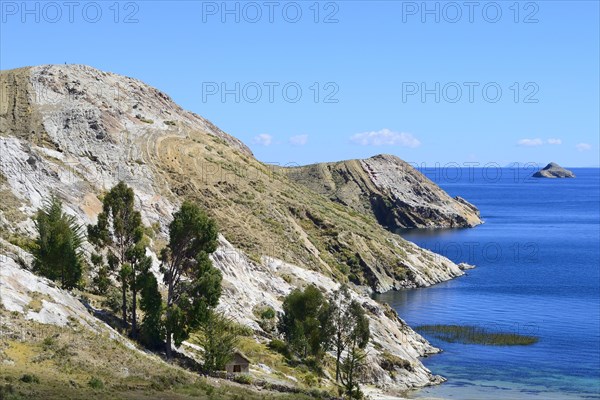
(391, 190)
(554, 170)
(76, 131)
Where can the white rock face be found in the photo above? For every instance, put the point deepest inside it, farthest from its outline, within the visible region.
(248, 284)
(19, 287)
(417, 201)
(80, 101)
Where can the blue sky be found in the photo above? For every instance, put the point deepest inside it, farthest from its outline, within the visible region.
(375, 77)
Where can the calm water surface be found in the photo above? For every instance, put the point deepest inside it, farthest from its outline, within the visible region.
(537, 258)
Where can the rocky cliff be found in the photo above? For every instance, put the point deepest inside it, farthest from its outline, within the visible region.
(77, 131)
(389, 189)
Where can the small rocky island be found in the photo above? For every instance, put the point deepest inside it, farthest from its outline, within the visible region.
(554, 170)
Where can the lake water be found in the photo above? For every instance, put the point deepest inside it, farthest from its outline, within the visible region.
(537, 258)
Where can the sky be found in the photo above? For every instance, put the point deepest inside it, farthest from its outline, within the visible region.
(436, 83)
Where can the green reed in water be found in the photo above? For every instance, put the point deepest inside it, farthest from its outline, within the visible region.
(468, 334)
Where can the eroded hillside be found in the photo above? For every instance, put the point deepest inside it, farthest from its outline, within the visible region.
(389, 189)
(104, 128)
(77, 131)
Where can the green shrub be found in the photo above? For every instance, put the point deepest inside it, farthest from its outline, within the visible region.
(30, 378)
(280, 347)
(268, 313)
(113, 300)
(95, 383)
(49, 343)
(390, 362)
(243, 379)
(143, 119)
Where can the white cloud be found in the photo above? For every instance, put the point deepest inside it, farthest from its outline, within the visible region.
(263, 139)
(583, 147)
(385, 137)
(299, 140)
(530, 142)
(554, 141)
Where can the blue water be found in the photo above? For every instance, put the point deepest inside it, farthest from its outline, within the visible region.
(537, 258)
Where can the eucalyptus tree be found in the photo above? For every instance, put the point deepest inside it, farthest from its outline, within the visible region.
(193, 284)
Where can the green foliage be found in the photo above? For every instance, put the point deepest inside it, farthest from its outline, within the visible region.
(305, 322)
(113, 300)
(101, 281)
(469, 334)
(280, 347)
(353, 362)
(139, 270)
(118, 224)
(218, 339)
(351, 334)
(268, 313)
(267, 318)
(24, 242)
(151, 330)
(356, 340)
(95, 383)
(30, 378)
(243, 379)
(119, 232)
(57, 251)
(390, 362)
(143, 119)
(192, 237)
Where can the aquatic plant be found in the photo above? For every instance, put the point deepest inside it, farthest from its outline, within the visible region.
(469, 334)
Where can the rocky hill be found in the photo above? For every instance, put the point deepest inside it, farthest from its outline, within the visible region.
(389, 189)
(77, 131)
(553, 170)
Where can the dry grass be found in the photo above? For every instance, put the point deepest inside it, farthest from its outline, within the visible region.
(263, 212)
(75, 363)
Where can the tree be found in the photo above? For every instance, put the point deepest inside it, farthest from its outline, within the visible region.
(218, 340)
(57, 253)
(119, 230)
(356, 340)
(102, 279)
(305, 322)
(193, 284)
(349, 323)
(151, 330)
(340, 304)
(137, 268)
(351, 365)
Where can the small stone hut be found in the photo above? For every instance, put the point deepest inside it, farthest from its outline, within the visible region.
(239, 364)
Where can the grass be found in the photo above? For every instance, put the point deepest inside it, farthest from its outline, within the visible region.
(262, 212)
(50, 362)
(468, 334)
(263, 354)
